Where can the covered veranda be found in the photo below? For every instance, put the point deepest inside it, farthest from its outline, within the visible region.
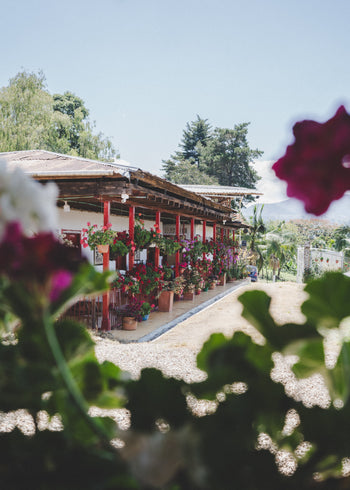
(119, 191)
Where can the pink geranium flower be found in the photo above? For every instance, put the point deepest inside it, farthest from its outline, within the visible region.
(60, 281)
(316, 166)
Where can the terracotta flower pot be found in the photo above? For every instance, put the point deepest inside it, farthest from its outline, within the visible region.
(188, 296)
(129, 323)
(165, 301)
(103, 249)
(222, 280)
(212, 285)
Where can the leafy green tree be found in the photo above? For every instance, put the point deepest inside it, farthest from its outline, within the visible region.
(26, 113)
(223, 154)
(31, 118)
(187, 173)
(194, 138)
(228, 157)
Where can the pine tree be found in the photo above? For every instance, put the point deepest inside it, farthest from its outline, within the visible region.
(196, 136)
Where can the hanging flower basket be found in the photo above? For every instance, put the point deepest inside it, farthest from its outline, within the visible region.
(103, 249)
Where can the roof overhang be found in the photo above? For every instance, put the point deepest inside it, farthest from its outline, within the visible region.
(85, 184)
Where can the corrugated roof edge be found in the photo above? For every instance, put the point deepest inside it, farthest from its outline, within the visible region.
(73, 157)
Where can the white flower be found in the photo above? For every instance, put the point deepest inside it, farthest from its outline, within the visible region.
(24, 200)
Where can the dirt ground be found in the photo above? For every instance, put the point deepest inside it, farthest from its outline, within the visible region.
(225, 315)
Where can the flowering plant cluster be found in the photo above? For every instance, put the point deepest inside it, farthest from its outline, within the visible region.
(148, 277)
(192, 279)
(122, 244)
(192, 249)
(146, 308)
(142, 237)
(92, 236)
(177, 285)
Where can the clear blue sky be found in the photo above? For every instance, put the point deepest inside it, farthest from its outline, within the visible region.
(145, 68)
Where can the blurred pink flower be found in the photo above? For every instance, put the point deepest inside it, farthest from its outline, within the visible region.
(60, 281)
(316, 166)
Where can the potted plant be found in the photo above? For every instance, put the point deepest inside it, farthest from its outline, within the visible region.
(121, 245)
(145, 310)
(131, 285)
(97, 238)
(189, 291)
(212, 280)
(142, 237)
(168, 246)
(130, 314)
(167, 292)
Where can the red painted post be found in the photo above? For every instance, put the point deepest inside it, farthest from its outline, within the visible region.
(214, 237)
(131, 235)
(192, 228)
(222, 235)
(156, 250)
(204, 235)
(177, 255)
(106, 324)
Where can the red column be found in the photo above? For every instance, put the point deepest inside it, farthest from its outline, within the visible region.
(214, 237)
(222, 234)
(177, 255)
(156, 251)
(106, 324)
(204, 233)
(192, 228)
(131, 235)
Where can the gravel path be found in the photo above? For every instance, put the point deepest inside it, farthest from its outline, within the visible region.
(175, 352)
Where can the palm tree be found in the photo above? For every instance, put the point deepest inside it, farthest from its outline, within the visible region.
(342, 238)
(257, 226)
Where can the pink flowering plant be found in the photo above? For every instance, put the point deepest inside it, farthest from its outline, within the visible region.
(316, 166)
(93, 236)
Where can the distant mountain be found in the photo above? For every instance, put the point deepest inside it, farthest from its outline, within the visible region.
(289, 209)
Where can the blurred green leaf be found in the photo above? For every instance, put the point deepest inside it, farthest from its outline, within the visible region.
(154, 397)
(311, 358)
(256, 306)
(329, 301)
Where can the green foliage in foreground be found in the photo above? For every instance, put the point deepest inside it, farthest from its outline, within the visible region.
(50, 365)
